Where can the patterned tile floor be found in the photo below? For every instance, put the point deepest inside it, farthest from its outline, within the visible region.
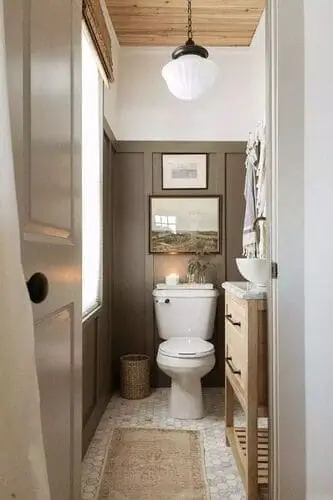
(222, 475)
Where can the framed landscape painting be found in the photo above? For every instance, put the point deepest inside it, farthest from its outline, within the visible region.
(187, 224)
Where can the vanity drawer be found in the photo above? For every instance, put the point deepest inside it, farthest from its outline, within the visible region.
(245, 322)
(236, 312)
(236, 353)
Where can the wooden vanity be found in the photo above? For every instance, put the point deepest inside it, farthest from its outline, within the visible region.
(246, 378)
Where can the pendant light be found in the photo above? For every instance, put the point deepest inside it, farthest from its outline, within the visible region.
(190, 73)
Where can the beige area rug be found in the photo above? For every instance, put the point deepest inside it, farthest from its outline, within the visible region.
(154, 464)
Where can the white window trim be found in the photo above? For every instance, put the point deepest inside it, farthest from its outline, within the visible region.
(94, 308)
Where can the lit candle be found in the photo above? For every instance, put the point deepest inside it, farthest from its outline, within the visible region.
(172, 279)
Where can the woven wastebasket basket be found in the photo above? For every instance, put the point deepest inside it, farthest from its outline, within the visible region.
(134, 376)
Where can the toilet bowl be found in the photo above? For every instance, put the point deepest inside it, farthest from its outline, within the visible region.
(185, 320)
(186, 361)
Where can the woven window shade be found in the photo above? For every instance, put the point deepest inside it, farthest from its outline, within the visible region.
(94, 17)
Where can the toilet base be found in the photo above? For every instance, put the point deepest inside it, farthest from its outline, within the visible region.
(186, 398)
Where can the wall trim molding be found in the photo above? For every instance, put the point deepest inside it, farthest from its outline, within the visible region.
(192, 146)
(109, 133)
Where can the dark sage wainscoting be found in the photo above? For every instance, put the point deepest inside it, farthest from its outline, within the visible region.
(136, 175)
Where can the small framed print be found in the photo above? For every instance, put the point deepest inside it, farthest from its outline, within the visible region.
(184, 171)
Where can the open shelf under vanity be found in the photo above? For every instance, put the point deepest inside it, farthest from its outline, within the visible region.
(237, 440)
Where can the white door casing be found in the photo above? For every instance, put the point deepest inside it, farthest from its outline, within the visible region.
(285, 121)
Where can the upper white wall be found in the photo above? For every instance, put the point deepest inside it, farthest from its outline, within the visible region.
(258, 71)
(147, 111)
(111, 93)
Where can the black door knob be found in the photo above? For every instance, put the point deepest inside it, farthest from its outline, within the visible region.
(38, 287)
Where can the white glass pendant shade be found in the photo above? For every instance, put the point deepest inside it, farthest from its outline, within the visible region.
(190, 76)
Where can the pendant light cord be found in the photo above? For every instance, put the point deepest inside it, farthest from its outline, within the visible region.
(189, 24)
(190, 47)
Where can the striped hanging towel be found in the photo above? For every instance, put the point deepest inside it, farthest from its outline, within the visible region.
(249, 235)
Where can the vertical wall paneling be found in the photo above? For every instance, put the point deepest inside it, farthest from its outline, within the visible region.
(149, 268)
(137, 174)
(90, 363)
(129, 256)
(97, 328)
(234, 214)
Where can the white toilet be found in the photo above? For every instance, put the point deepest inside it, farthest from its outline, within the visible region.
(185, 319)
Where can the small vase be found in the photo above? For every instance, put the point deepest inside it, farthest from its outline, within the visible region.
(202, 277)
(191, 278)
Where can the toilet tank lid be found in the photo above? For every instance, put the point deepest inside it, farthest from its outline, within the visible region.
(185, 286)
(182, 293)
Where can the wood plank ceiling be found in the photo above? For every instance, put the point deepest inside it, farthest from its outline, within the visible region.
(223, 23)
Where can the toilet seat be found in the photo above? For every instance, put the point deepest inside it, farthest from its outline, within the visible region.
(186, 347)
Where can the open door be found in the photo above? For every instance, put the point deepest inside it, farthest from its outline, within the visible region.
(44, 69)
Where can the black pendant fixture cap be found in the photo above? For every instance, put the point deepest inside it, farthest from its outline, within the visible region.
(190, 48)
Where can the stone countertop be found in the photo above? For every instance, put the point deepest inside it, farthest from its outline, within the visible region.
(244, 290)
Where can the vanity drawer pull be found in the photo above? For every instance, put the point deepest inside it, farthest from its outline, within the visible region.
(234, 371)
(234, 323)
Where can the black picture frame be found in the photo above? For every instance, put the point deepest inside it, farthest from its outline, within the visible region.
(161, 242)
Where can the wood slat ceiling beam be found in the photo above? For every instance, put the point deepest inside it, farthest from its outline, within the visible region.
(163, 22)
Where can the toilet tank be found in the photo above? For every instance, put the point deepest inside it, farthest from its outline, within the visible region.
(185, 312)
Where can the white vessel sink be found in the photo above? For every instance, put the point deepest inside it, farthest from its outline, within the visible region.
(255, 270)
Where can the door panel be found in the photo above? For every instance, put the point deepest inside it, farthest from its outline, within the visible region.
(53, 354)
(44, 50)
(50, 85)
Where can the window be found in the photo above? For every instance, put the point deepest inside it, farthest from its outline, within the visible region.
(165, 223)
(91, 177)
